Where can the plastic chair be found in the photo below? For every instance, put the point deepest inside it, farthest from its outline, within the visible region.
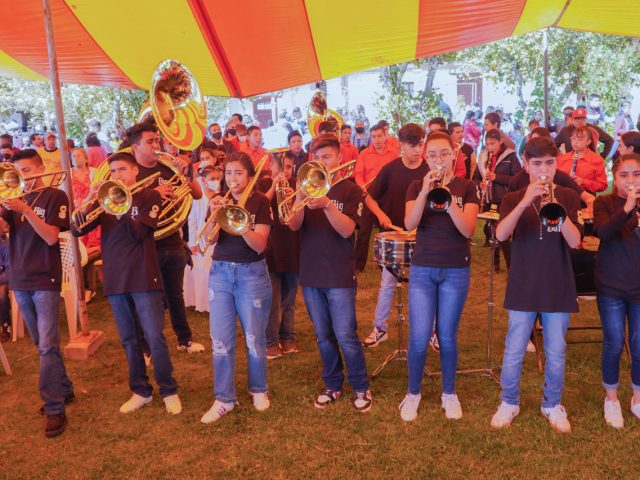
(69, 291)
(17, 322)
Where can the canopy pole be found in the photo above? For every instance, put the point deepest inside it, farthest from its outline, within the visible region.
(545, 44)
(90, 340)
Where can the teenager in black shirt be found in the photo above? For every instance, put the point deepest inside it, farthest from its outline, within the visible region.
(327, 277)
(385, 200)
(497, 165)
(540, 281)
(239, 287)
(618, 283)
(144, 143)
(283, 258)
(135, 283)
(35, 222)
(439, 277)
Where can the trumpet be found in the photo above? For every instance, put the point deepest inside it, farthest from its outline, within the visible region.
(13, 184)
(114, 198)
(486, 191)
(211, 219)
(439, 198)
(315, 181)
(552, 214)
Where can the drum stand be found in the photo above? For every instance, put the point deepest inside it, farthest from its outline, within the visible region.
(489, 369)
(400, 353)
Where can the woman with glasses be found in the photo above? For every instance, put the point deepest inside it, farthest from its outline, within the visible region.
(439, 277)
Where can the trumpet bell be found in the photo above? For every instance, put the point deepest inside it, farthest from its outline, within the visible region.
(114, 198)
(12, 184)
(552, 214)
(314, 179)
(234, 220)
(439, 199)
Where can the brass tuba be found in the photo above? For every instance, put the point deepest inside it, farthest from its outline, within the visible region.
(318, 113)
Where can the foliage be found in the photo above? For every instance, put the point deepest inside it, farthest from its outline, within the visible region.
(580, 63)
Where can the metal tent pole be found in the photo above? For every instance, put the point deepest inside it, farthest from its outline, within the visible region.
(545, 46)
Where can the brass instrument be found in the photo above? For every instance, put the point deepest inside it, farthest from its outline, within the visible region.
(315, 181)
(552, 214)
(318, 113)
(178, 107)
(13, 184)
(576, 156)
(284, 203)
(114, 198)
(486, 193)
(439, 198)
(202, 245)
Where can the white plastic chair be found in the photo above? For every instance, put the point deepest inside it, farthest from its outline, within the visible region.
(69, 291)
(17, 322)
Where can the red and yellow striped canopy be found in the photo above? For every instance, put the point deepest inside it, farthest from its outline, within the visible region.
(254, 46)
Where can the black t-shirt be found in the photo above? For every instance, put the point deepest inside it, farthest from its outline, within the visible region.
(617, 272)
(283, 251)
(328, 260)
(173, 241)
(35, 265)
(438, 242)
(522, 180)
(390, 187)
(234, 248)
(130, 262)
(541, 274)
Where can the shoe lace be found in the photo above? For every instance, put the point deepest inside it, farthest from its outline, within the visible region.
(410, 400)
(559, 412)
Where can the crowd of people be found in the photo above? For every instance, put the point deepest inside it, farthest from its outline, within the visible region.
(254, 273)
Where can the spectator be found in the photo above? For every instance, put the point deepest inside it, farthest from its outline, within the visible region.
(95, 153)
(6, 152)
(347, 149)
(392, 141)
(7, 139)
(436, 124)
(595, 113)
(492, 121)
(36, 141)
(472, 134)
(50, 153)
(294, 139)
(360, 138)
(96, 127)
(568, 119)
(629, 143)
(579, 119)
(623, 121)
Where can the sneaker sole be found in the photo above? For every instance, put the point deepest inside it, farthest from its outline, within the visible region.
(372, 345)
(555, 428)
(364, 410)
(617, 427)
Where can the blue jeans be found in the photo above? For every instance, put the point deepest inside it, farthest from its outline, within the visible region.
(150, 309)
(172, 264)
(333, 313)
(385, 299)
(40, 310)
(613, 314)
(284, 287)
(238, 290)
(554, 326)
(435, 292)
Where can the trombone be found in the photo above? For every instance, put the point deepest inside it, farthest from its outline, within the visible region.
(233, 219)
(13, 184)
(314, 181)
(113, 197)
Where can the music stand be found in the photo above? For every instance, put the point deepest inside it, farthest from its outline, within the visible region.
(489, 370)
(400, 353)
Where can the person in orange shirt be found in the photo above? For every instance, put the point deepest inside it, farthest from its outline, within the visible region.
(370, 161)
(392, 141)
(348, 151)
(584, 165)
(253, 147)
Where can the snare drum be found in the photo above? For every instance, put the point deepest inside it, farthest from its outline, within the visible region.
(393, 249)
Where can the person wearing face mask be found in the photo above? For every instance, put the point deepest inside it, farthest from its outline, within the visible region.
(6, 151)
(360, 137)
(241, 137)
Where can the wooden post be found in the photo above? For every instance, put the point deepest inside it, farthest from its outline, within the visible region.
(86, 342)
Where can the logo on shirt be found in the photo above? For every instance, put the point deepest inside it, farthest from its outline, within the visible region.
(458, 200)
(63, 212)
(39, 211)
(253, 221)
(554, 229)
(154, 211)
(339, 205)
(134, 212)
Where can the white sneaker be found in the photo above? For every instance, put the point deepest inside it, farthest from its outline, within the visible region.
(635, 408)
(557, 417)
(531, 347)
(173, 404)
(613, 413)
(409, 407)
(261, 401)
(505, 415)
(134, 403)
(217, 410)
(191, 347)
(376, 337)
(451, 406)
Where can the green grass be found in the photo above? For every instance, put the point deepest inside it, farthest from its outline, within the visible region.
(293, 439)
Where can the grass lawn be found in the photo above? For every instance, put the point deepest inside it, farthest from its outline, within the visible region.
(293, 439)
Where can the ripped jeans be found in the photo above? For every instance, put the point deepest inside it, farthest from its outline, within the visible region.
(238, 290)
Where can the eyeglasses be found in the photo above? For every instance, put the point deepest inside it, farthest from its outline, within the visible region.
(444, 155)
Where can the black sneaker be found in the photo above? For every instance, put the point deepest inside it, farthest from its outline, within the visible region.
(67, 401)
(362, 401)
(376, 337)
(326, 398)
(55, 425)
(5, 333)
